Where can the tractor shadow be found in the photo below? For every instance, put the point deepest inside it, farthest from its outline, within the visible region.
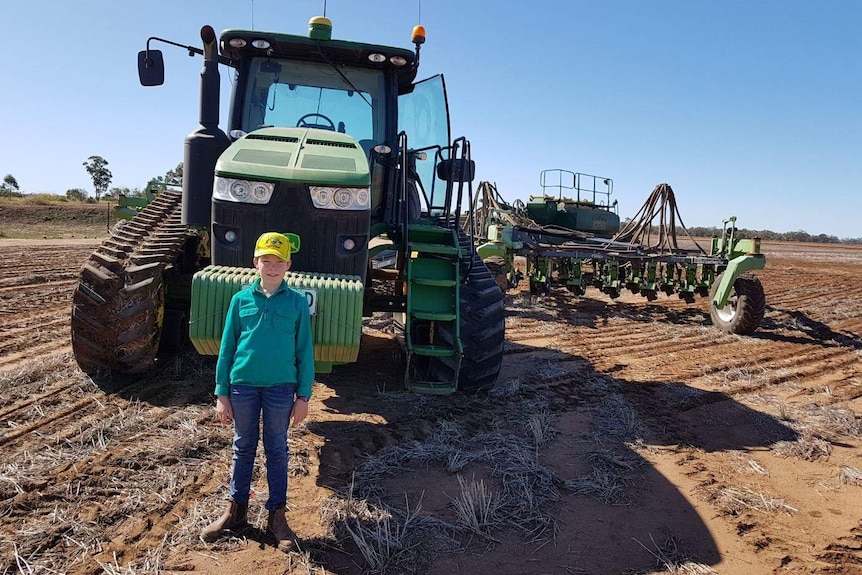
(607, 493)
(809, 330)
(178, 379)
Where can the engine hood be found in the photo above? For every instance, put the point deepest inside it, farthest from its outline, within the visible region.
(303, 155)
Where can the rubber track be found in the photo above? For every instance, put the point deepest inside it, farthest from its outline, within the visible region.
(119, 296)
(483, 324)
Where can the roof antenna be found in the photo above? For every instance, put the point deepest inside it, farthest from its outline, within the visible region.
(252, 14)
(324, 8)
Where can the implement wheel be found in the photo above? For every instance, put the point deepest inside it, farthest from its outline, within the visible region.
(745, 306)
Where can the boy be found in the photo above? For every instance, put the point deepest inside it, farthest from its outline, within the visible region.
(265, 365)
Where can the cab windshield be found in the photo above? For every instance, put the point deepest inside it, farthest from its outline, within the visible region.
(285, 93)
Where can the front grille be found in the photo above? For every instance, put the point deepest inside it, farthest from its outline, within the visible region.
(288, 139)
(331, 144)
(322, 232)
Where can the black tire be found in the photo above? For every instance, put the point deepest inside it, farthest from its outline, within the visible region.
(483, 324)
(745, 306)
(497, 266)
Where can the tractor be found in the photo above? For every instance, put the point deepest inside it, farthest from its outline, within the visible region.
(336, 145)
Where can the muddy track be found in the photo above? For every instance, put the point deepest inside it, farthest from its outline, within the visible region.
(99, 474)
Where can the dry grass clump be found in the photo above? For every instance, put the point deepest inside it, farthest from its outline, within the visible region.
(602, 484)
(733, 501)
(507, 388)
(608, 476)
(817, 427)
(540, 426)
(831, 422)
(615, 417)
(808, 447)
(389, 541)
(552, 370)
(682, 397)
(669, 558)
(744, 464)
(851, 476)
(476, 507)
(527, 485)
(38, 377)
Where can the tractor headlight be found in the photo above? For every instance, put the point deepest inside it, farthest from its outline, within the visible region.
(243, 191)
(332, 198)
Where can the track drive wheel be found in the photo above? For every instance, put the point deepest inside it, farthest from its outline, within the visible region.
(483, 322)
(745, 306)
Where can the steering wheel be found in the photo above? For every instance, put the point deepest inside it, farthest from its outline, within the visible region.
(302, 123)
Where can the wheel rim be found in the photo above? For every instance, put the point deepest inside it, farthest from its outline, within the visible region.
(728, 312)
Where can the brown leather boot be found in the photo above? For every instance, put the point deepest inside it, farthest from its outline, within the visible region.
(235, 516)
(277, 526)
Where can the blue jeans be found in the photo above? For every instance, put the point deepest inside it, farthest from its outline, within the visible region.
(247, 403)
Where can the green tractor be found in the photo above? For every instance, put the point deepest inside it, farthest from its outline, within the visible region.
(335, 144)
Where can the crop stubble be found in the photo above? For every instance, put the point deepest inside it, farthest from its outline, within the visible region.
(652, 432)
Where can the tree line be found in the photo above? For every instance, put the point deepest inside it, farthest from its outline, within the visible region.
(97, 168)
(796, 236)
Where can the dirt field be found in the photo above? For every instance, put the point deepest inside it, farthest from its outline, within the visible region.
(622, 437)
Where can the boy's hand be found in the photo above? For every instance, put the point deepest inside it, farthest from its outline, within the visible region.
(224, 411)
(299, 412)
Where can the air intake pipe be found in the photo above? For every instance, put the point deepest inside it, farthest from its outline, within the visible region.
(205, 144)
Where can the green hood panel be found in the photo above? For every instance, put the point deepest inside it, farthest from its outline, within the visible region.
(302, 155)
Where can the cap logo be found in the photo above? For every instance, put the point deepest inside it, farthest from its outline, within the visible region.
(274, 242)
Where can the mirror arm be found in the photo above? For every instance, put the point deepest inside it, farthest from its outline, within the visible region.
(192, 50)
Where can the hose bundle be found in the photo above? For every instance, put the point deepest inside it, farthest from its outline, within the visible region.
(654, 226)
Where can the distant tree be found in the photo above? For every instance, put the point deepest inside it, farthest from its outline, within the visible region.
(175, 176)
(76, 194)
(97, 167)
(10, 184)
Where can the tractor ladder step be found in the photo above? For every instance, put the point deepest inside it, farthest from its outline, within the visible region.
(433, 307)
(433, 249)
(434, 350)
(433, 316)
(431, 387)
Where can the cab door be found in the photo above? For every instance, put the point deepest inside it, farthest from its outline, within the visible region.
(423, 115)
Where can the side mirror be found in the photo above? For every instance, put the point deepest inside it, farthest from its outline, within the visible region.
(151, 68)
(459, 170)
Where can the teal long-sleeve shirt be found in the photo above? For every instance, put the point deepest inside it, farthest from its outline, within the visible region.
(266, 341)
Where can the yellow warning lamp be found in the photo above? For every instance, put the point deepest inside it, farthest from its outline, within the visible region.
(419, 34)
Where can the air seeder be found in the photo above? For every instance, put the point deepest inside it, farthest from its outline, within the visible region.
(335, 144)
(576, 242)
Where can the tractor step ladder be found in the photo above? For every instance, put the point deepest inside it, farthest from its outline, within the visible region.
(433, 302)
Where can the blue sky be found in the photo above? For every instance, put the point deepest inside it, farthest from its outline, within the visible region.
(746, 108)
